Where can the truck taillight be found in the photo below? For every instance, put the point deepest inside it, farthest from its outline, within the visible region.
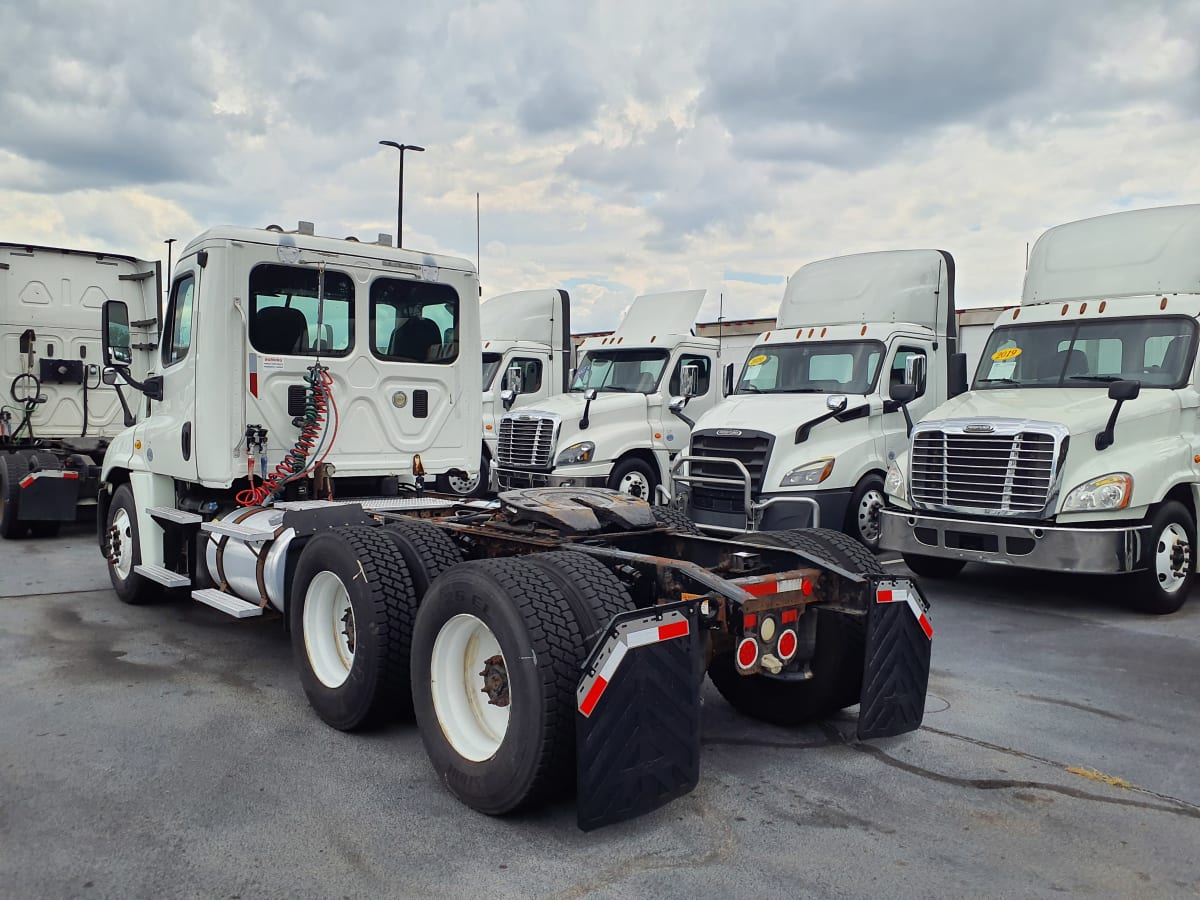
(747, 653)
(786, 647)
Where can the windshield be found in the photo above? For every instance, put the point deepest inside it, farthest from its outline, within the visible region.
(634, 371)
(491, 364)
(834, 367)
(1157, 352)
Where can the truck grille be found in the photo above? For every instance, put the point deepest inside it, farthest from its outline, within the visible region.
(525, 442)
(751, 448)
(1009, 470)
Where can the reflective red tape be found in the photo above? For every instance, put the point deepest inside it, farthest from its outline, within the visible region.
(593, 696)
(674, 630)
(26, 481)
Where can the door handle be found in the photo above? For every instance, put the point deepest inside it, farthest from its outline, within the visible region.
(186, 440)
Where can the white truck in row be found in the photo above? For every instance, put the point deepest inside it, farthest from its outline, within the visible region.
(622, 422)
(304, 390)
(809, 431)
(56, 416)
(1077, 448)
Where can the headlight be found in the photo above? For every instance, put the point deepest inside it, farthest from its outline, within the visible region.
(810, 473)
(1112, 491)
(893, 484)
(576, 453)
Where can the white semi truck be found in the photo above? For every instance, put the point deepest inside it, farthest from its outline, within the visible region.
(527, 351)
(809, 430)
(555, 638)
(622, 422)
(56, 416)
(1077, 448)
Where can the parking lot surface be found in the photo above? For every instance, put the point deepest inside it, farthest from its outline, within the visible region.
(169, 750)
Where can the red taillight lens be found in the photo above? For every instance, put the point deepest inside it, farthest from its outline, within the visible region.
(747, 652)
(786, 648)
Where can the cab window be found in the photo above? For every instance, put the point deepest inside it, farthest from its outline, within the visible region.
(288, 319)
(900, 361)
(413, 321)
(178, 325)
(531, 374)
(703, 363)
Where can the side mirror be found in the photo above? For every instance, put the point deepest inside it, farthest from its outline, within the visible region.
(727, 380)
(914, 371)
(507, 397)
(1124, 390)
(677, 404)
(903, 393)
(958, 374)
(836, 402)
(116, 343)
(513, 380)
(589, 394)
(689, 381)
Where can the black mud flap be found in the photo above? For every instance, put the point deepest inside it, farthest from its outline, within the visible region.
(896, 667)
(637, 714)
(50, 496)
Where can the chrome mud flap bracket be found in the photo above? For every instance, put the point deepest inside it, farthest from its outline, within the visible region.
(896, 663)
(637, 714)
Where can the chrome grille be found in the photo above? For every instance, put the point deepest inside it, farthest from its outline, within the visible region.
(751, 448)
(525, 442)
(1005, 471)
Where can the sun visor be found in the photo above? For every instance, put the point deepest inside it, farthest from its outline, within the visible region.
(671, 313)
(890, 286)
(1145, 251)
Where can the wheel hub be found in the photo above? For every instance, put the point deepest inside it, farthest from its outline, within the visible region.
(495, 681)
(348, 628)
(868, 515)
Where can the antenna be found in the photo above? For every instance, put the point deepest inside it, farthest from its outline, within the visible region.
(1027, 256)
(720, 322)
(477, 265)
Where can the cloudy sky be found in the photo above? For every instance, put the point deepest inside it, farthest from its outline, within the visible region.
(618, 147)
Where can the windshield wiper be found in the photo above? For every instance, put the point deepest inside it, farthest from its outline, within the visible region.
(999, 381)
(749, 389)
(1106, 379)
(613, 387)
(803, 390)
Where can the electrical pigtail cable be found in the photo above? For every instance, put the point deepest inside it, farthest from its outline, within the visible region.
(312, 444)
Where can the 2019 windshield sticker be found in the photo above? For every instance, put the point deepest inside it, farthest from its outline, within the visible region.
(1006, 354)
(756, 360)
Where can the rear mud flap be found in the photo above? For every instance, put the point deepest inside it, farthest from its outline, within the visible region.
(637, 714)
(896, 665)
(49, 497)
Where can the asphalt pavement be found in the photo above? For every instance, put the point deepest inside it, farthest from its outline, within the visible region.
(169, 750)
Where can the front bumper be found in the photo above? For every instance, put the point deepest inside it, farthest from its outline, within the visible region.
(779, 512)
(515, 479)
(1099, 551)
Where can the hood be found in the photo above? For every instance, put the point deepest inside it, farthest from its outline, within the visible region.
(777, 414)
(1081, 410)
(613, 405)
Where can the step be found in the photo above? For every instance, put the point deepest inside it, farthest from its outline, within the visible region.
(163, 576)
(241, 532)
(227, 603)
(178, 516)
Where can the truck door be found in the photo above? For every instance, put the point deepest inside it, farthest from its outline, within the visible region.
(895, 432)
(169, 437)
(674, 430)
(534, 383)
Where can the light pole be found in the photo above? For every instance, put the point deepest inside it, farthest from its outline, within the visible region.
(400, 187)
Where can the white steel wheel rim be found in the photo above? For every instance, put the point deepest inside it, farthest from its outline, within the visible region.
(1172, 538)
(635, 484)
(123, 526)
(329, 629)
(474, 726)
(462, 485)
(868, 515)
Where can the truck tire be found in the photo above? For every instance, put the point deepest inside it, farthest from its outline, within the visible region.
(44, 461)
(635, 478)
(675, 519)
(932, 566)
(593, 591)
(351, 612)
(123, 550)
(12, 469)
(496, 660)
(837, 663)
(466, 487)
(1170, 550)
(862, 517)
(428, 551)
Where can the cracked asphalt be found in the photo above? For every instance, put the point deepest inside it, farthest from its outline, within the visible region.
(168, 750)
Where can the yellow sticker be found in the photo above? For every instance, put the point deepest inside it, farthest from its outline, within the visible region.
(756, 361)
(1009, 353)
